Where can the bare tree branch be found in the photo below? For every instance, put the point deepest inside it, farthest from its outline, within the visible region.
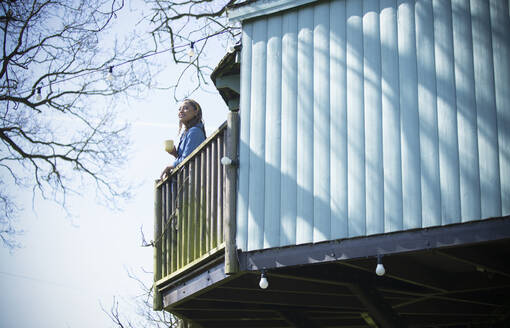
(183, 23)
(145, 316)
(52, 74)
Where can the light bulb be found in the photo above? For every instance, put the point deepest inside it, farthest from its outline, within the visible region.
(191, 50)
(263, 281)
(226, 161)
(109, 76)
(39, 95)
(379, 269)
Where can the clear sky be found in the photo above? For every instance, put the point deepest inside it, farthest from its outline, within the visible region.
(69, 265)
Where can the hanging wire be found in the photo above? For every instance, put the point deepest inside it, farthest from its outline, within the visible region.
(110, 67)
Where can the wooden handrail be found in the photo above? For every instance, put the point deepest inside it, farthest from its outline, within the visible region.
(190, 210)
(204, 144)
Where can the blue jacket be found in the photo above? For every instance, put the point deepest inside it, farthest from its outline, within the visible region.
(190, 140)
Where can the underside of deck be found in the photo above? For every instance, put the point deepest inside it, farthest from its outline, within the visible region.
(451, 276)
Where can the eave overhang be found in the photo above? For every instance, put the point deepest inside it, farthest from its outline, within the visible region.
(251, 9)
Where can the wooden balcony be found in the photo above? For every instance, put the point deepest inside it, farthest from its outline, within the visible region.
(192, 209)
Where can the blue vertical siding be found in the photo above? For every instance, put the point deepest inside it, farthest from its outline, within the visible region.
(370, 116)
(392, 161)
(338, 120)
(288, 209)
(355, 121)
(321, 123)
(305, 151)
(500, 24)
(244, 140)
(486, 109)
(257, 142)
(466, 115)
(447, 116)
(409, 118)
(273, 133)
(374, 192)
(427, 107)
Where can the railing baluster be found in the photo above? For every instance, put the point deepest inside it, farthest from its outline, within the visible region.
(158, 274)
(185, 214)
(191, 215)
(222, 186)
(178, 213)
(203, 190)
(214, 193)
(196, 215)
(174, 225)
(163, 231)
(208, 197)
(168, 230)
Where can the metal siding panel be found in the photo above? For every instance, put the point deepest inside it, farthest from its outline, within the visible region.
(355, 120)
(390, 104)
(469, 171)
(304, 223)
(338, 99)
(321, 154)
(273, 133)
(501, 47)
(289, 130)
(447, 113)
(257, 137)
(429, 139)
(410, 139)
(373, 119)
(486, 110)
(244, 138)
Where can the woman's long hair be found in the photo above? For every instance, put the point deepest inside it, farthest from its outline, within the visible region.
(195, 120)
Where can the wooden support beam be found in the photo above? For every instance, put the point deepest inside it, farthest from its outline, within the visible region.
(297, 319)
(488, 230)
(480, 261)
(377, 307)
(231, 261)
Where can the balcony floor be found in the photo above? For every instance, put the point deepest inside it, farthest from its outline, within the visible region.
(453, 276)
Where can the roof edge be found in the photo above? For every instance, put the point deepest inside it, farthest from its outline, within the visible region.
(251, 9)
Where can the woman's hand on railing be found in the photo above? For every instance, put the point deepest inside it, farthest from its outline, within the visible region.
(166, 172)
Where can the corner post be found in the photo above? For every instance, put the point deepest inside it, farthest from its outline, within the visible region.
(157, 299)
(231, 262)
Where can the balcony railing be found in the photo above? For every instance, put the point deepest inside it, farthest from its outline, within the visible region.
(193, 208)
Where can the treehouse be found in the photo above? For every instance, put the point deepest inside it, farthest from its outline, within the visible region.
(362, 178)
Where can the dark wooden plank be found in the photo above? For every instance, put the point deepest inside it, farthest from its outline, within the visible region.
(370, 246)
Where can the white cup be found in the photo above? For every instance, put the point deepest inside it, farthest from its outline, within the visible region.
(169, 145)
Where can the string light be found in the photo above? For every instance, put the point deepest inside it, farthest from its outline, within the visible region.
(191, 51)
(109, 76)
(39, 95)
(263, 283)
(110, 68)
(380, 270)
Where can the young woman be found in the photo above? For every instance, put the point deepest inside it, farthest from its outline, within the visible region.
(190, 116)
